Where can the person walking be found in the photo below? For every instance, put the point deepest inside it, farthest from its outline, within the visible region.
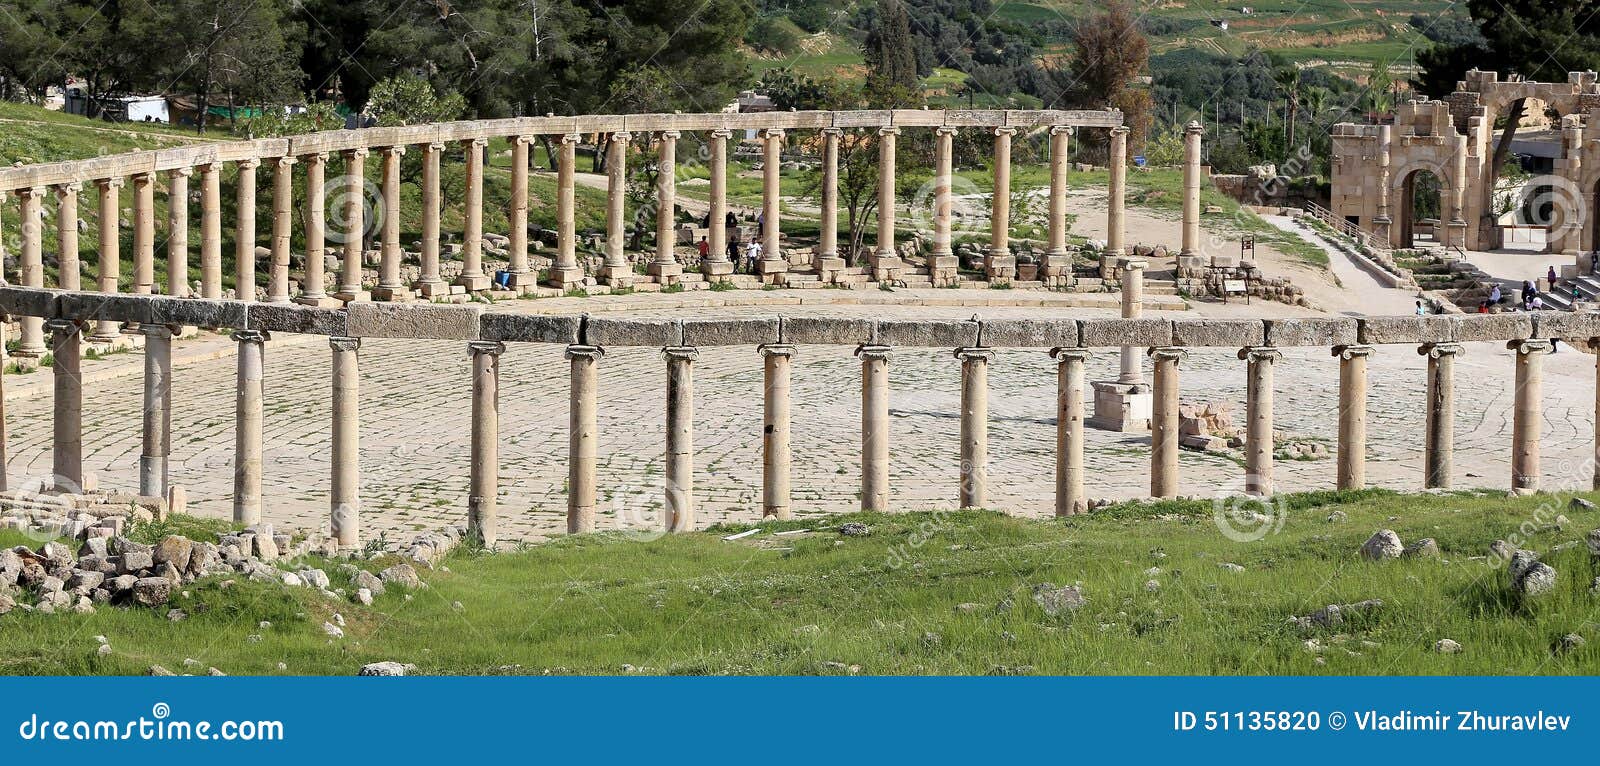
(733, 245)
(752, 253)
(704, 247)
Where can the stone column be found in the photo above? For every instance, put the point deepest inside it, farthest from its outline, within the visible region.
(582, 438)
(716, 265)
(247, 461)
(1439, 432)
(282, 228)
(1132, 308)
(157, 410)
(775, 432)
(680, 437)
(1057, 266)
(943, 267)
(773, 264)
(144, 233)
(70, 269)
(345, 498)
(1258, 419)
(974, 426)
(473, 276)
(32, 215)
(355, 227)
(1164, 422)
(1069, 430)
(1352, 471)
(521, 274)
(874, 427)
(1000, 265)
(1191, 188)
(67, 457)
(244, 244)
(565, 274)
(314, 290)
(1118, 192)
(665, 267)
(390, 288)
(885, 262)
(1526, 415)
(211, 231)
(429, 284)
(1594, 345)
(481, 511)
(178, 232)
(110, 212)
(617, 272)
(829, 264)
(1382, 223)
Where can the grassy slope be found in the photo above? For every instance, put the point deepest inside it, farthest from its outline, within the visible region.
(694, 603)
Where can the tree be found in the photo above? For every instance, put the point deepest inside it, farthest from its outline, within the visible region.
(1111, 55)
(1288, 80)
(237, 51)
(411, 100)
(891, 58)
(1379, 96)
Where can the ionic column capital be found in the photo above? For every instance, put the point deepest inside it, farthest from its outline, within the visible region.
(1134, 264)
(722, 133)
(945, 130)
(144, 179)
(155, 330)
(249, 163)
(775, 349)
(107, 184)
(356, 154)
(475, 141)
(668, 135)
(1056, 130)
(1529, 346)
(579, 351)
(433, 147)
(680, 353)
(772, 132)
(1169, 353)
(398, 150)
(524, 140)
(250, 336)
(873, 352)
(340, 343)
(1120, 131)
(969, 353)
(62, 325)
(31, 192)
(1352, 352)
(1004, 130)
(70, 188)
(180, 172)
(1255, 354)
(1436, 350)
(1062, 355)
(490, 347)
(571, 138)
(1194, 128)
(285, 161)
(833, 132)
(622, 135)
(888, 130)
(319, 158)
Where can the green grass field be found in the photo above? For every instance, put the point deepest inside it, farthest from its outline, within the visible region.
(924, 593)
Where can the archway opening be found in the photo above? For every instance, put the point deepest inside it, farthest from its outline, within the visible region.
(1420, 209)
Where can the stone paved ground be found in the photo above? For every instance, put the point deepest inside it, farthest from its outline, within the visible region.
(415, 401)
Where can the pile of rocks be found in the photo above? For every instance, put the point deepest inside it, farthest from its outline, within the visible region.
(1207, 427)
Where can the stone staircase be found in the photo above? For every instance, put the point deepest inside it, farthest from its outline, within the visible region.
(1588, 288)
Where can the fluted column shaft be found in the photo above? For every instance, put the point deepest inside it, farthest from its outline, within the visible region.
(67, 455)
(344, 499)
(247, 460)
(680, 438)
(874, 427)
(32, 215)
(1352, 469)
(282, 228)
(157, 410)
(178, 232)
(1526, 415)
(473, 276)
(144, 233)
(390, 288)
(70, 268)
(481, 498)
(110, 252)
(244, 243)
(1164, 422)
(1115, 226)
(355, 224)
(582, 437)
(211, 231)
(313, 289)
(1069, 430)
(974, 426)
(1258, 419)
(1439, 429)
(775, 455)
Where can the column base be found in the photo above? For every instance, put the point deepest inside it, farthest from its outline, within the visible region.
(566, 279)
(617, 276)
(351, 296)
(1122, 407)
(521, 279)
(944, 270)
(1000, 268)
(1108, 264)
(772, 270)
(320, 301)
(430, 288)
(665, 273)
(1056, 269)
(474, 283)
(392, 294)
(829, 268)
(716, 271)
(887, 268)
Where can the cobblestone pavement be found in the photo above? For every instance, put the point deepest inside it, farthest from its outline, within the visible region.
(415, 400)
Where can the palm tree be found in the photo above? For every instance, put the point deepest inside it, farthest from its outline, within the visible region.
(1379, 97)
(1316, 101)
(1288, 80)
